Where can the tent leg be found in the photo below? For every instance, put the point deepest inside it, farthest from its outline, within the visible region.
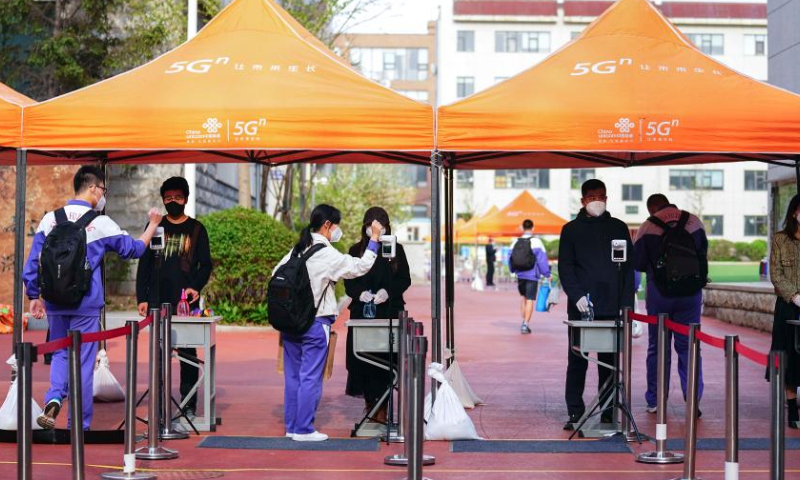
(436, 264)
(449, 265)
(19, 242)
(797, 172)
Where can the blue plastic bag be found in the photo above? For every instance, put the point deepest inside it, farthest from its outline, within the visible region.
(542, 296)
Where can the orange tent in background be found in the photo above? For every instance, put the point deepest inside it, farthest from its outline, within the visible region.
(630, 90)
(11, 104)
(252, 85)
(507, 222)
(468, 232)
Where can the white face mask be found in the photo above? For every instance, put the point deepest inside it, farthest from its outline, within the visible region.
(336, 235)
(596, 208)
(101, 204)
(369, 231)
(797, 217)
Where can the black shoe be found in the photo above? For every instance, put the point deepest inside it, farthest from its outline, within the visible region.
(47, 420)
(792, 414)
(573, 420)
(607, 417)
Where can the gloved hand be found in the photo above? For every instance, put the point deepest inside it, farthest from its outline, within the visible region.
(796, 299)
(583, 304)
(381, 296)
(366, 296)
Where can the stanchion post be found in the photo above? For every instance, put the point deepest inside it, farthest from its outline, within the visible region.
(153, 451)
(24, 354)
(129, 456)
(76, 406)
(660, 455)
(627, 355)
(777, 444)
(167, 432)
(401, 367)
(731, 408)
(692, 391)
(415, 435)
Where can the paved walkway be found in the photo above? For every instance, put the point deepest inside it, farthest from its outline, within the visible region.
(521, 378)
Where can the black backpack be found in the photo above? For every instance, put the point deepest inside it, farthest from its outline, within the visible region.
(522, 258)
(290, 300)
(681, 270)
(65, 274)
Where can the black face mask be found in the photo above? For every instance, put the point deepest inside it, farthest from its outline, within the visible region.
(174, 209)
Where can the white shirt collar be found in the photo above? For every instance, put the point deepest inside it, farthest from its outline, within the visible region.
(318, 238)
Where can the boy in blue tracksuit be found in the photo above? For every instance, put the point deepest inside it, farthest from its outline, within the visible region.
(528, 280)
(684, 310)
(102, 235)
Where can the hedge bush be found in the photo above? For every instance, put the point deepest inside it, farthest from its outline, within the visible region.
(245, 247)
(726, 251)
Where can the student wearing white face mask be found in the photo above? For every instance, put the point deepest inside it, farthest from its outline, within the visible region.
(304, 355)
(587, 276)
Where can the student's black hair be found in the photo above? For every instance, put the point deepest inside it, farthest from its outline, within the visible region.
(321, 214)
(790, 222)
(527, 224)
(657, 200)
(592, 184)
(175, 183)
(87, 176)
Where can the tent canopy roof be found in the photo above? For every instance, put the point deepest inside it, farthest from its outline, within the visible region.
(631, 89)
(252, 85)
(11, 103)
(507, 221)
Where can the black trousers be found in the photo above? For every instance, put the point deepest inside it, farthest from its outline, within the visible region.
(576, 379)
(490, 273)
(189, 376)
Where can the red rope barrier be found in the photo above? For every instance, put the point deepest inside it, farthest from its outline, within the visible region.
(106, 335)
(677, 327)
(711, 340)
(146, 322)
(53, 346)
(751, 354)
(651, 319)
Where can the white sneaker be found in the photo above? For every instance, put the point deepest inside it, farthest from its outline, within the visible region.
(310, 437)
(289, 435)
(651, 409)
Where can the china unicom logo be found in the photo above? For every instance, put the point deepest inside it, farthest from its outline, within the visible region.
(212, 125)
(625, 125)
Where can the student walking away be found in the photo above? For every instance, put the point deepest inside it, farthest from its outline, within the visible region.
(671, 246)
(784, 270)
(491, 257)
(591, 280)
(185, 266)
(528, 260)
(381, 288)
(62, 279)
(302, 305)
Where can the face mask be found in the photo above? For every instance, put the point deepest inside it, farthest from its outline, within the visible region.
(101, 204)
(336, 235)
(596, 208)
(174, 209)
(369, 231)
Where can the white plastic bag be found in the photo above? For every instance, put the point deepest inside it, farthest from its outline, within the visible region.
(8, 412)
(477, 283)
(446, 419)
(459, 383)
(637, 328)
(106, 387)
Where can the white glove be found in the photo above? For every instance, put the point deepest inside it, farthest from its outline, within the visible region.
(583, 304)
(796, 299)
(381, 296)
(366, 296)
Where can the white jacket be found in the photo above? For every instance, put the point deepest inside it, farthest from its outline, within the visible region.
(328, 266)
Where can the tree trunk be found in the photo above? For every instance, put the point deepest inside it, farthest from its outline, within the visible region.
(286, 210)
(263, 193)
(245, 195)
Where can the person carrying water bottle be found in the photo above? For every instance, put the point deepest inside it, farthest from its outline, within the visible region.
(378, 294)
(304, 355)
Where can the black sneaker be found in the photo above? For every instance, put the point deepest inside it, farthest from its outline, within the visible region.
(525, 330)
(47, 420)
(573, 420)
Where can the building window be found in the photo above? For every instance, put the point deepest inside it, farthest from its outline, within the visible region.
(466, 41)
(421, 95)
(500, 79)
(708, 43)
(413, 234)
(465, 179)
(526, 42)
(580, 175)
(755, 225)
(532, 178)
(388, 64)
(713, 225)
(632, 193)
(631, 209)
(574, 34)
(696, 179)
(755, 45)
(419, 211)
(465, 86)
(755, 180)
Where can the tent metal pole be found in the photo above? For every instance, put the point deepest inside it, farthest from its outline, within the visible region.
(449, 265)
(436, 264)
(19, 242)
(797, 172)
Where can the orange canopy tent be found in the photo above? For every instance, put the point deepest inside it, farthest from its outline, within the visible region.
(252, 85)
(468, 231)
(630, 90)
(507, 222)
(11, 104)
